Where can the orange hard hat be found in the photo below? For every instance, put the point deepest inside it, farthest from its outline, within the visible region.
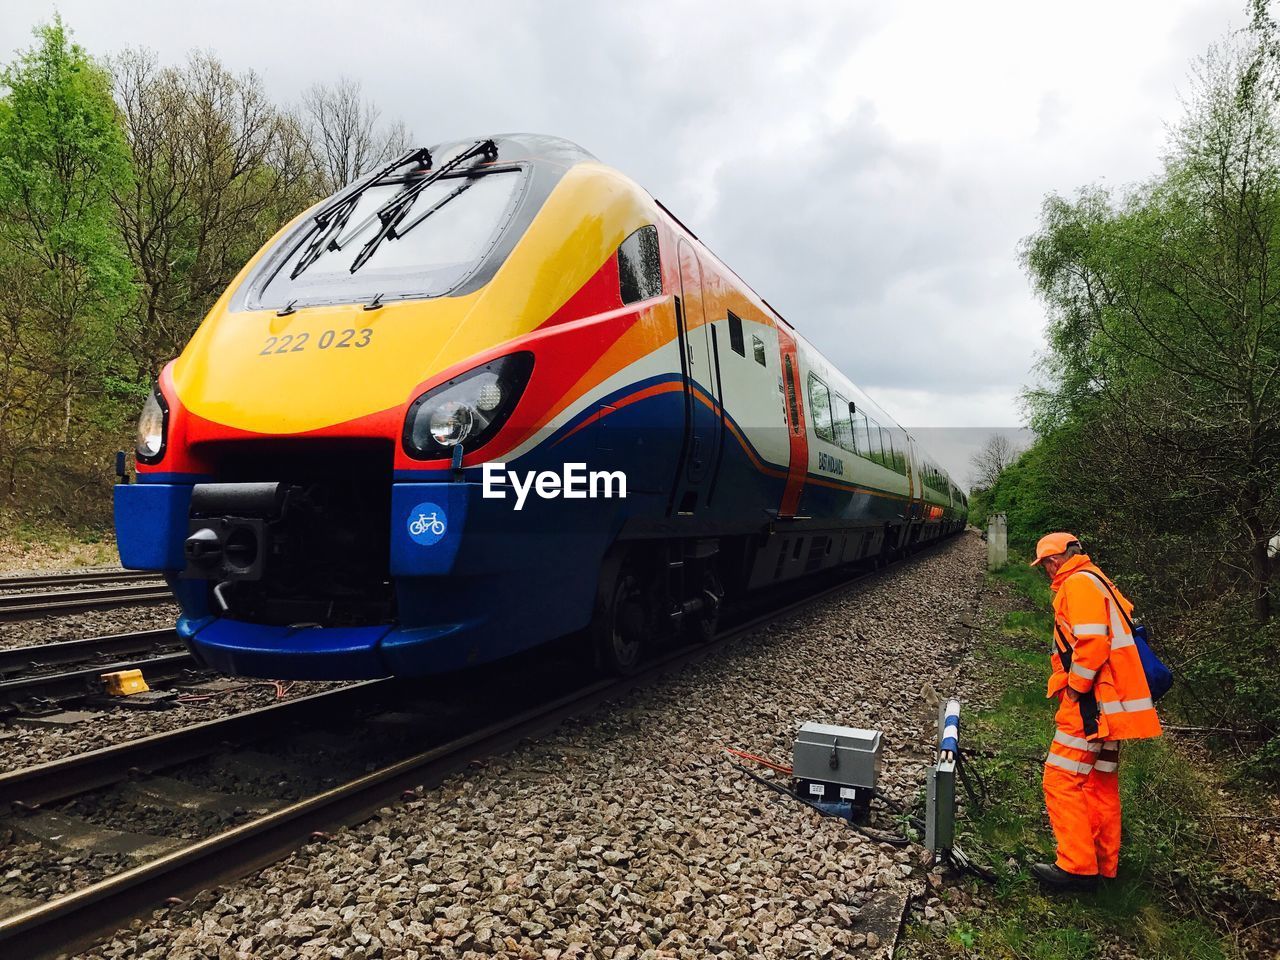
(1052, 544)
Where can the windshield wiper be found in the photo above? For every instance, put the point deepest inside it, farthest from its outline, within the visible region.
(394, 210)
(332, 220)
(401, 231)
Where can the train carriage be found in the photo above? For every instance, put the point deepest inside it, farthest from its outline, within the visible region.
(490, 395)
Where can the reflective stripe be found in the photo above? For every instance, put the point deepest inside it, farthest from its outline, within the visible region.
(1105, 766)
(1090, 630)
(1079, 743)
(950, 732)
(1127, 706)
(1120, 635)
(1072, 766)
(1084, 672)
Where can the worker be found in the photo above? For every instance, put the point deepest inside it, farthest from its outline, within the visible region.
(1103, 698)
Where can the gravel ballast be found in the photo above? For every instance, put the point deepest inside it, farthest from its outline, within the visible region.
(90, 623)
(629, 833)
(26, 746)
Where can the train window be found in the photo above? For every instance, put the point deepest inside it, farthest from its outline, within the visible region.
(844, 429)
(875, 452)
(757, 347)
(899, 439)
(735, 335)
(890, 454)
(861, 446)
(640, 266)
(820, 404)
(427, 257)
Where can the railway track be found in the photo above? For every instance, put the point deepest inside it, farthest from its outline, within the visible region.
(32, 787)
(93, 577)
(55, 690)
(26, 605)
(41, 656)
(76, 919)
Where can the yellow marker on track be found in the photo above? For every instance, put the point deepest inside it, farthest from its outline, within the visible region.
(125, 683)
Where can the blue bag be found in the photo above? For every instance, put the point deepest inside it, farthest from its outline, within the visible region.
(1159, 676)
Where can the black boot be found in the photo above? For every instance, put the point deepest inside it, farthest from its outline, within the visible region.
(1055, 878)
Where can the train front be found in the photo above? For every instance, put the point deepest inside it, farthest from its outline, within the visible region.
(309, 469)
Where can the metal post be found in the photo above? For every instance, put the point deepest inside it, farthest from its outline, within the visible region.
(940, 811)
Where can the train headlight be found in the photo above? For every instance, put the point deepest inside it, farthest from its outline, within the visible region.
(469, 409)
(489, 397)
(153, 423)
(452, 422)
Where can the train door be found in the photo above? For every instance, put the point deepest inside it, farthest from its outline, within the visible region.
(913, 508)
(909, 456)
(702, 390)
(793, 410)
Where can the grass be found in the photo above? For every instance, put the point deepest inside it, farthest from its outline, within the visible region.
(26, 545)
(1157, 907)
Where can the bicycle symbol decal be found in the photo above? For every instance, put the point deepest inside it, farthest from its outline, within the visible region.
(427, 524)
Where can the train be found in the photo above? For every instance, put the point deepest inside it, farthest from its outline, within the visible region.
(490, 395)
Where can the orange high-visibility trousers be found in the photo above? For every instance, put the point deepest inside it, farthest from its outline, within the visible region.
(1084, 810)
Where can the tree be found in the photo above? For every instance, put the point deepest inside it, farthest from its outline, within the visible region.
(344, 136)
(995, 456)
(1165, 321)
(218, 169)
(64, 274)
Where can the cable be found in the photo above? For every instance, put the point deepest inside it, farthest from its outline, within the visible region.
(281, 687)
(955, 856)
(962, 768)
(212, 695)
(760, 760)
(895, 840)
(960, 860)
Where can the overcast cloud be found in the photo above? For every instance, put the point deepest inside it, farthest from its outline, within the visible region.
(868, 168)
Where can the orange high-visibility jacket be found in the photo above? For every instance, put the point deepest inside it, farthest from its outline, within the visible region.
(1094, 654)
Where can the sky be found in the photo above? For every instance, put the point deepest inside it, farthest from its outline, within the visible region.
(869, 168)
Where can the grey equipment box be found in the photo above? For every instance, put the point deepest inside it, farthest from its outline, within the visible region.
(833, 763)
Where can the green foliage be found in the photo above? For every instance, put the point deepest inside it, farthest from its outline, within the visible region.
(1030, 493)
(65, 277)
(1228, 666)
(1164, 337)
(1159, 421)
(130, 197)
(62, 154)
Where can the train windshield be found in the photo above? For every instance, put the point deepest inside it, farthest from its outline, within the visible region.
(427, 257)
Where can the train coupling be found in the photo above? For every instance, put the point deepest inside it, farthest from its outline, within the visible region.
(229, 529)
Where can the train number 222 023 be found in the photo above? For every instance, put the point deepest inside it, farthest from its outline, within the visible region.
(335, 339)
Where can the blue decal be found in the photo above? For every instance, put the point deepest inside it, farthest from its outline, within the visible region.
(427, 524)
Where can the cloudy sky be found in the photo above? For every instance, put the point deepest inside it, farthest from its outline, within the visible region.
(869, 168)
